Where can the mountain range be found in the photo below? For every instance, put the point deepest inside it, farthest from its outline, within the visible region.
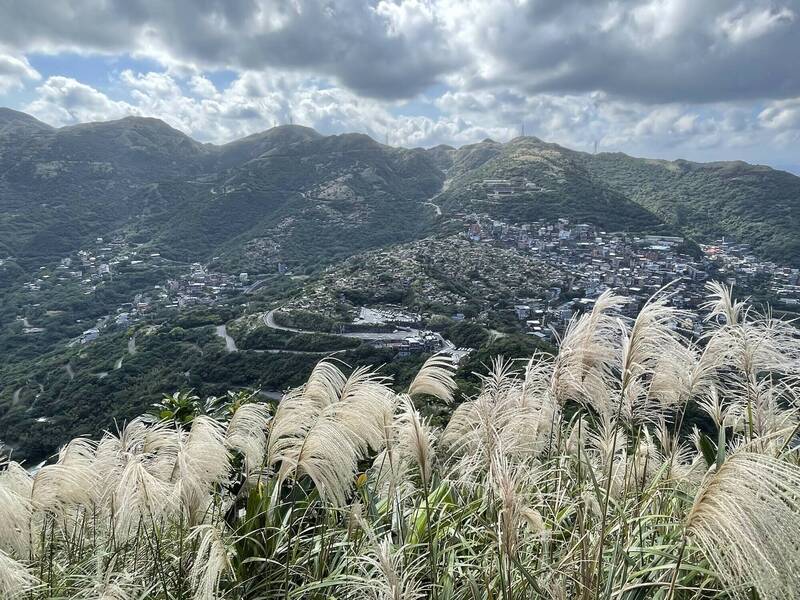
(287, 199)
(291, 194)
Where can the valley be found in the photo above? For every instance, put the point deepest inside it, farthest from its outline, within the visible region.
(136, 262)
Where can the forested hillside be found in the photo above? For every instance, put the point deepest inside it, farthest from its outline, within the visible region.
(747, 203)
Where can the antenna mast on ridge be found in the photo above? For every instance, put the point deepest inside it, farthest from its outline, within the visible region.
(595, 146)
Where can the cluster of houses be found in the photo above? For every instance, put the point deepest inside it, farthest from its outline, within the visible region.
(199, 285)
(590, 261)
(737, 265)
(88, 269)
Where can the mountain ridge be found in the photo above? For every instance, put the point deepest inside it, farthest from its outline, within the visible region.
(314, 133)
(106, 171)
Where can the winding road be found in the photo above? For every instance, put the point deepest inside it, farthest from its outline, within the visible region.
(269, 321)
(131, 352)
(230, 343)
(436, 207)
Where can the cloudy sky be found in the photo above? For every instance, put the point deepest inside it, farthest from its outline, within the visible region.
(699, 79)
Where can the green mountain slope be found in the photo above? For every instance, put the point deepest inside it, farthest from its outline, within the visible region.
(302, 201)
(548, 184)
(61, 187)
(752, 204)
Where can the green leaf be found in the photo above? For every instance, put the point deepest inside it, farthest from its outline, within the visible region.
(721, 448)
(708, 449)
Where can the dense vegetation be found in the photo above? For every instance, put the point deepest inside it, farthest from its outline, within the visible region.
(745, 203)
(139, 177)
(320, 198)
(563, 189)
(568, 476)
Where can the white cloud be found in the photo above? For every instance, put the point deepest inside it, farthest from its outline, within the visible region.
(655, 51)
(65, 101)
(741, 25)
(202, 87)
(784, 114)
(15, 71)
(256, 101)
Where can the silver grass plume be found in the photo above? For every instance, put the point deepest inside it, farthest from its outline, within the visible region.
(155, 445)
(678, 377)
(16, 510)
(301, 405)
(724, 413)
(722, 304)
(365, 401)
(766, 410)
(247, 434)
(588, 355)
(515, 512)
(472, 433)
(750, 345)
(435, 378)
(324, 385)
(68, 483)
(746, 519)
(647, 459)
(161, 443)
(415, 441)
(533, 413)
(140, 496)
(322, 436)
(652, 342)
(607, 450)
(327, 455)
(387, 577)
(203, 462)
(15, 579)
(211, 562)
(516, 414)
(389, 472)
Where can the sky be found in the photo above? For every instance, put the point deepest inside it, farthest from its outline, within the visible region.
(696, 79)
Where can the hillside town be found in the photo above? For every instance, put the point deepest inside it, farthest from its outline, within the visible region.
(590, 261)
(538, 274)
(155, 283)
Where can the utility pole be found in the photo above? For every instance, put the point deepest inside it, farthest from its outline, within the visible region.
(595, 146)
(523, 129)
